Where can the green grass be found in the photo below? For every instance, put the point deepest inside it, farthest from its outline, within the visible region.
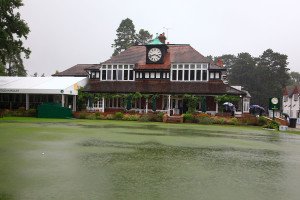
(106, 159)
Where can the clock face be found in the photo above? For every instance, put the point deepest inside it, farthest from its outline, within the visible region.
(274, 100)
(154, 54)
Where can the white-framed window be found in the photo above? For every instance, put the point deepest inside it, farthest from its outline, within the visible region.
(217, 75)
(157, 74)
(146, 74)
(114, 72)
(152, 75)
(189, 72)
(211, 75)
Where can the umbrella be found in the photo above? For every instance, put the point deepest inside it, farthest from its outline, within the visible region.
(228, 104)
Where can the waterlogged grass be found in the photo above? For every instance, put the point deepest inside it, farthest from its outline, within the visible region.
(82, 159)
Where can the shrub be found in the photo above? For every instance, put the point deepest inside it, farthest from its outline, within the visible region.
(144, 118)
(91, 116)
(109, 116)
(128, 117)
(118, 115)
(98, 115)
(219, 120)
(188, 117)
(82, 115)
(262, 121)
(205, 120)
(233, 121)
(272, 125)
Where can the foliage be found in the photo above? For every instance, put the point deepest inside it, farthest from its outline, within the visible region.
(127, 37)
(118, 115)
(143, 37)
(21, 112)
(131, 117)
(294, 78)
(188, 117)
(192, 102)
(256, 74)
(227, 98)
(12, 30)
(152, 117)
(262, 121)
(272, 125)
(205, 120)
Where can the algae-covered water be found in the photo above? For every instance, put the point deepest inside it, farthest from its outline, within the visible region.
(76, 159)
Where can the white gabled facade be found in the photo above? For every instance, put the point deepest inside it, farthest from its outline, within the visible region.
(291, 102)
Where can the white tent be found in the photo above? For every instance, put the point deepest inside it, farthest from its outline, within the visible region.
(43, 85)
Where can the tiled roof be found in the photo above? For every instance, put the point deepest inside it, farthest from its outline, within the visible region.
(77, 70)
(181, 53)
(291, 89)
(162, 86)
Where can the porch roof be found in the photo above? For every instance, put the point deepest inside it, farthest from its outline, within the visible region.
(162, 87)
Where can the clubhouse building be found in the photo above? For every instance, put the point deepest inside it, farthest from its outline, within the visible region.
(168, 71)
(161, 74)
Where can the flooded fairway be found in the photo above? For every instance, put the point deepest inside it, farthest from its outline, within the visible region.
(76, 159)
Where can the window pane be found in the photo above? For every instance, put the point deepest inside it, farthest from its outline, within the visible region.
(164, 75)
(152, 75)
(174, 74)
(114, 74)
(120, 67)
(192, 66)
(97, 74)
(131, 66)
(186, 66)
(168, 75)
(198, 77)
(147, 75)
(192, 75)
(204, 75)
(120, 74)
(211, 75)
(180, 66)
(103, 74)
(130, 74)
(103, 66)
(186, 75)
(108, 74)
(198, 66)
(125, 74)
(204, 66)
(115, 66)
(174, 66)
(217, 75)
(125, 66)
(108, 66)
(157, 74)
(137, 74)
(180, 75)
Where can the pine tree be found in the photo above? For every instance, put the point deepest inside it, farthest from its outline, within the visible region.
(125, 36)
(143, 37)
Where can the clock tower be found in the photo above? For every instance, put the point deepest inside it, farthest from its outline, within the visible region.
(156, 50)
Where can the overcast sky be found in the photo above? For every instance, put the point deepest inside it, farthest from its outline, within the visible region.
(68, 32)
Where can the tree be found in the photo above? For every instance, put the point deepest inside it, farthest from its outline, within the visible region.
(12, 30)
(125, 36)
(295, 78)
(143, 37)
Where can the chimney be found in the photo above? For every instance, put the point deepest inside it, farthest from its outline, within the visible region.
(162, 38)
(220, 62)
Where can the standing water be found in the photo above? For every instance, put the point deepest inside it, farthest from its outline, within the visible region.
(119, 160)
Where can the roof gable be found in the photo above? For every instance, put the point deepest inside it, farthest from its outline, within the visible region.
(177, 53)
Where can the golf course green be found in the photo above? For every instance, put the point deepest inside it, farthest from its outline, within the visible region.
(102, 159)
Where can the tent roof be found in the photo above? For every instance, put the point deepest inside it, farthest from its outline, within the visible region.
(41, 85)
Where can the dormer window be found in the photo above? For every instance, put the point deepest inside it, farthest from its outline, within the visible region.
(189, 72)
(117, 72)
